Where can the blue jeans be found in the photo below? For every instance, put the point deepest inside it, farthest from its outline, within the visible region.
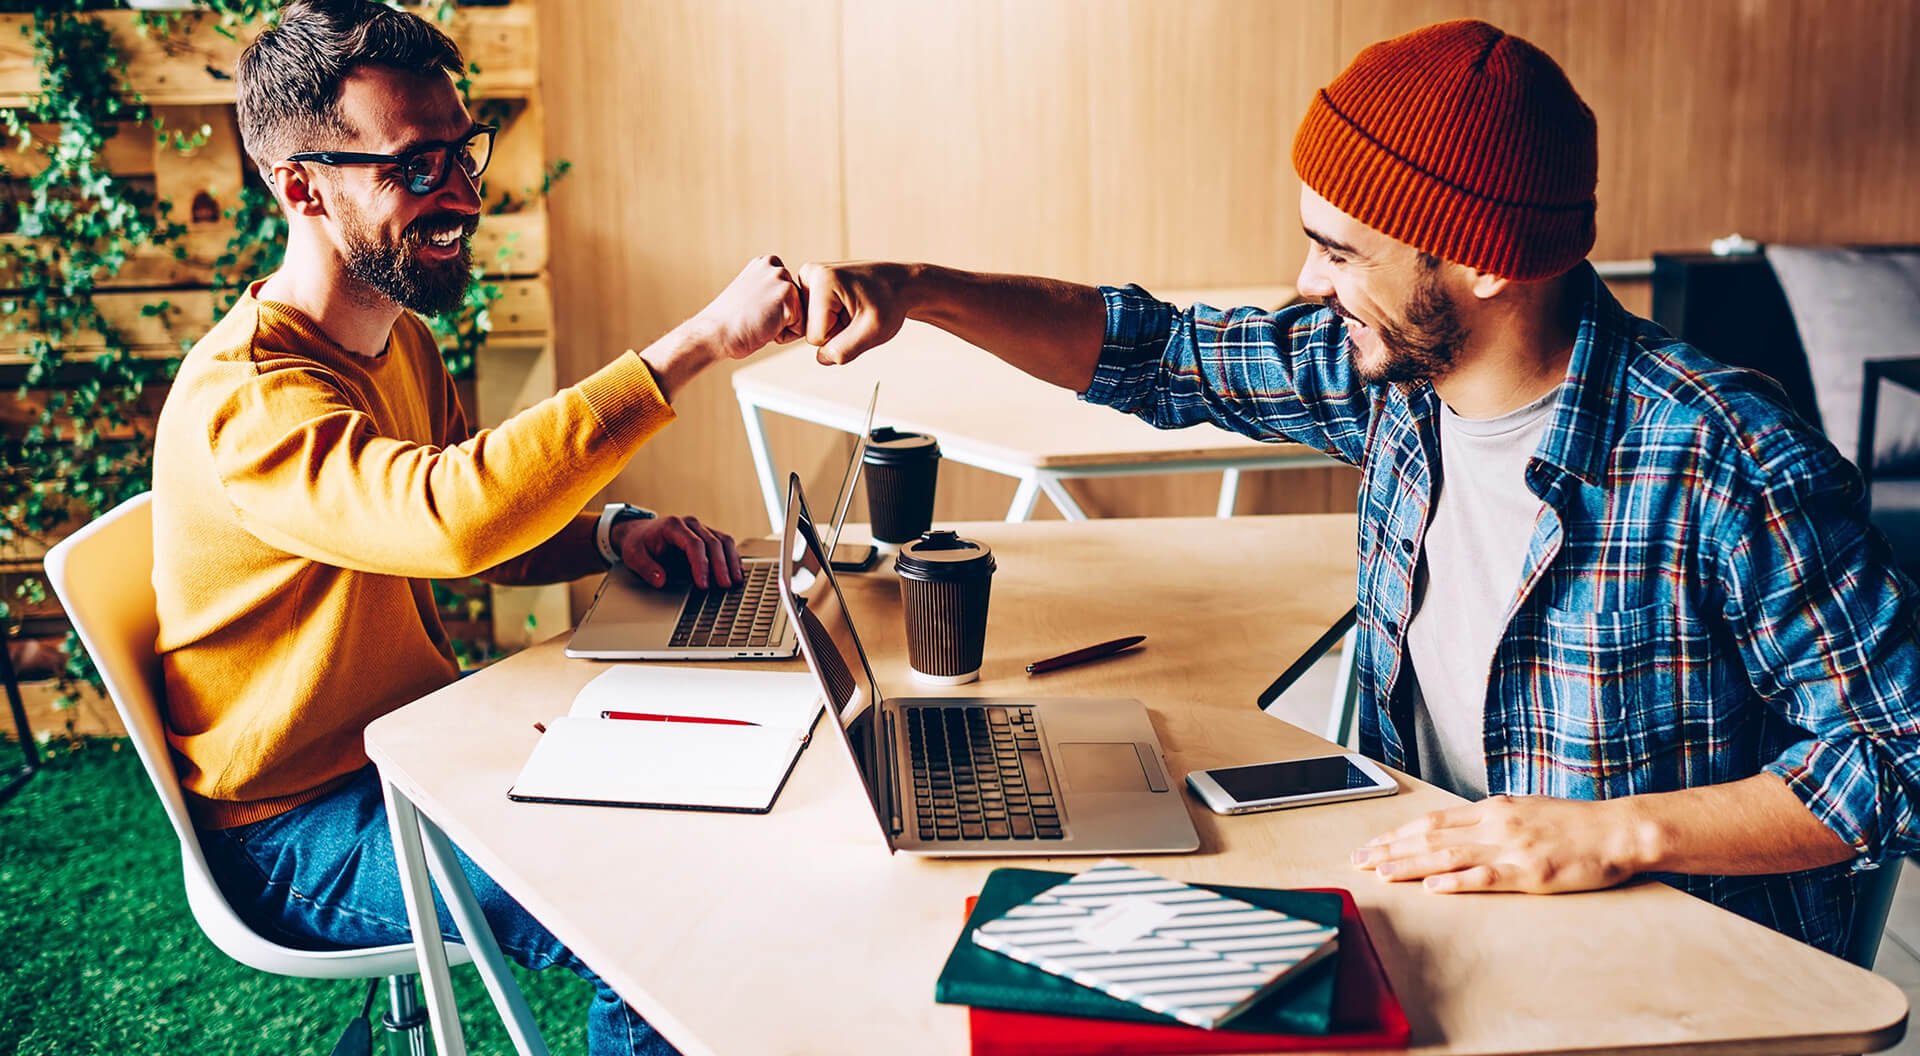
(323, 875)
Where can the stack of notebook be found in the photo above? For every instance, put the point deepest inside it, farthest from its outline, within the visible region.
(1057, 965)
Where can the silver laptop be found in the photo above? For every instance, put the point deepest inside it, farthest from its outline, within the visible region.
(631, 620)
(980, 776)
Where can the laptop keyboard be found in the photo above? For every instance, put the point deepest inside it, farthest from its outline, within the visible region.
(741, 617)
(978, 775)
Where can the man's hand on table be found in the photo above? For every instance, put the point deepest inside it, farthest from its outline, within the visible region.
(1536, 844)
(649, 547)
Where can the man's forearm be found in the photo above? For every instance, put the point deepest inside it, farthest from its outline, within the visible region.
(1742, 828)
(1048, 328)
(680, 355)
(568, 555)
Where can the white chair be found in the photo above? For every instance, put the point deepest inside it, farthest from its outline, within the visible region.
(103, 576)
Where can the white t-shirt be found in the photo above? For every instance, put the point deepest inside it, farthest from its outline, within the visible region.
(1470, 564)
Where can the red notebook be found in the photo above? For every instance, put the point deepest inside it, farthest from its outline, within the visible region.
(1366, 1015)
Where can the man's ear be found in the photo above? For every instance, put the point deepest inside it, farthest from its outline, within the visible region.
(297, 190)
(1486, 285)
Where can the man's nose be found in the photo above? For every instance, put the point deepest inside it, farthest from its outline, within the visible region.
(1313, 281)
(461, 194)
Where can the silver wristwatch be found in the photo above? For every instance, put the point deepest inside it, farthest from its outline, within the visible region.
(612, 514)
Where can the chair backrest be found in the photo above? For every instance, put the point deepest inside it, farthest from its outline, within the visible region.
(1873, 900)
(103, 576)
(1733, 309)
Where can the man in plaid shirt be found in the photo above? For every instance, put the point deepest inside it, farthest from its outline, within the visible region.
(1612, 591)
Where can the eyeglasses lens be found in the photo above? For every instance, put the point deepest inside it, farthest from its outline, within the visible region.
(427, 171)
(477, 152)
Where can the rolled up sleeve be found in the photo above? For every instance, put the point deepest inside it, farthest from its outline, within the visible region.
(1270, 375)
(1826, 624)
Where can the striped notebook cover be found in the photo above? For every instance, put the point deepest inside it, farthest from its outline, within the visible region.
(1181, 951)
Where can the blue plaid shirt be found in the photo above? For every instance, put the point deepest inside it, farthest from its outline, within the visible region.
(1701, 601)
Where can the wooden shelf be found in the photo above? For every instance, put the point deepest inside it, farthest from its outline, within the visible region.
(193, 65)
(523, 316)
(521, 236)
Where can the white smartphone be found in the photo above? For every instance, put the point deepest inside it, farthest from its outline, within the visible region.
(1291, 783)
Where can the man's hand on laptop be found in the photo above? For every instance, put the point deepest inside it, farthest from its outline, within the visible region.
(651, 547)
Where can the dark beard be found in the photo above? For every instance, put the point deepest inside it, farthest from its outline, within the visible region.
(1421, 346)
(393, 270)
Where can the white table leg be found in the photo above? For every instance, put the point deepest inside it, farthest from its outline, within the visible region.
(1229, 492)
(1024, 498)
(763, 466)
(1056, 490)
(417, 891)
(1346, 692)
(479, 940)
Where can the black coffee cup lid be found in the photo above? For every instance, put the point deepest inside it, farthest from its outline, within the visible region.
(887, 445)
(942, 555)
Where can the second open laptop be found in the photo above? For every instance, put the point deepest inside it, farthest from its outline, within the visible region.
(980, 776)
(631, 620)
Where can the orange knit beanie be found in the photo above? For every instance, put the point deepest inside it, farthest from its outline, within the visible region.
(1463, 141)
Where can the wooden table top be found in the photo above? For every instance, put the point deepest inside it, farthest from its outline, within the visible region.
(797, 932)
(935, 383)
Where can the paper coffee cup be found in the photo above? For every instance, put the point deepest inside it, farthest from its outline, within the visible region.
(901, 471)
(945, 585)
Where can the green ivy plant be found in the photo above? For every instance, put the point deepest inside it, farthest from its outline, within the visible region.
(74, 443)
(79, 449)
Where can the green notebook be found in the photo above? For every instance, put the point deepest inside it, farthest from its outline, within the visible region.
(979, 977)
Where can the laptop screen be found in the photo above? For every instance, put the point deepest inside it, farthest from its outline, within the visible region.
(818, 612)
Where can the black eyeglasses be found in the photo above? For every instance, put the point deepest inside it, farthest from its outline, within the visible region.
(426, 167)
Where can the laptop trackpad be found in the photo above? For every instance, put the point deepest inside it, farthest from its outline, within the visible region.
(1112, 766)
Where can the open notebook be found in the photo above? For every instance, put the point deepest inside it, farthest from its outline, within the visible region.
(738, 763)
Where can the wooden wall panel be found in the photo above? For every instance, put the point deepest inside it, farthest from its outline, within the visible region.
(967, 133)
(1196, 106)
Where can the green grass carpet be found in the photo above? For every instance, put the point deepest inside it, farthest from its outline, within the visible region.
(102, 955)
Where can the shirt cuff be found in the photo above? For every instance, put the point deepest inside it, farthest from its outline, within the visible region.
(1832, 784)
(1138, 327)
(627, 401)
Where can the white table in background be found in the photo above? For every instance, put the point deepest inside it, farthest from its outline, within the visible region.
(998, 418)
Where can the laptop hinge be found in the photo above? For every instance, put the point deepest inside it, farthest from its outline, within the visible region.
(896, 823)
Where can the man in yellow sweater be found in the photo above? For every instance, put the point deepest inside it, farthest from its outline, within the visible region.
(314, 470)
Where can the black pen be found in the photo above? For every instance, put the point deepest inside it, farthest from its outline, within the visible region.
(1081, 656)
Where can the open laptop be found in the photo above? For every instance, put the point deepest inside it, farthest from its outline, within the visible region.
(631, 620)
(980, 776)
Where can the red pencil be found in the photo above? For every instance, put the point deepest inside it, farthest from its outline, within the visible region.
(645, 716)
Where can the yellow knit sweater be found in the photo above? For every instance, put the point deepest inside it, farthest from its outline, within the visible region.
(303, 497)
